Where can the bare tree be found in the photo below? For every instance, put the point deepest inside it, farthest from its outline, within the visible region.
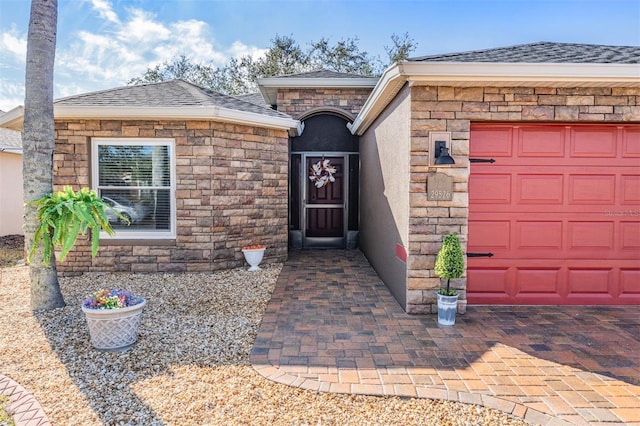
(38, 144)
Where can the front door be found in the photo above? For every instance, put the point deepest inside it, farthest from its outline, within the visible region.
(324, 201)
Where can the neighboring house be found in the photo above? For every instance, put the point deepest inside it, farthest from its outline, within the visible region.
(11, 202)
(558, 207)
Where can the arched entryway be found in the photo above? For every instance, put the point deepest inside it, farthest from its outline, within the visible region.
(324, 183)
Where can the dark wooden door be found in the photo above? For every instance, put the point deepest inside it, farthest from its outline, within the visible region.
(325, 201)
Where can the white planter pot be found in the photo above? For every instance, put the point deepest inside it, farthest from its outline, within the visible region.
(447, 306)
(253, 257)
(114, 329)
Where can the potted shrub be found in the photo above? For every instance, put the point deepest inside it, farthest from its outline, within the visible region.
(253, 255)
(449, 264)
(113, 317)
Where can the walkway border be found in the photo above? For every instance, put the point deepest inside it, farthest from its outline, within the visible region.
(279, 375)
(23, 406)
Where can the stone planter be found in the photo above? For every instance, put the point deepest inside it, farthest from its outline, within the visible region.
(114, 329)
(253, 257)
(447, 306)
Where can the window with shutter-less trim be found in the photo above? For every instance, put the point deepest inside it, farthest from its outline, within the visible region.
(136, 177)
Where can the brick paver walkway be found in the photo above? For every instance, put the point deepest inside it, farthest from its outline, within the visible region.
(332, 326)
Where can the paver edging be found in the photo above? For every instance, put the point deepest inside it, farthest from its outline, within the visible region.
(513, 408)
(23, 406)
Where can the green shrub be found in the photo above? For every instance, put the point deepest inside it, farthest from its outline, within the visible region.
(66, 214)
(450, 262)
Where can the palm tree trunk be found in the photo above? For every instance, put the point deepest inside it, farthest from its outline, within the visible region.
(38, 143)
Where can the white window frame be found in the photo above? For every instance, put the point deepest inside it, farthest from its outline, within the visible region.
(139, 234)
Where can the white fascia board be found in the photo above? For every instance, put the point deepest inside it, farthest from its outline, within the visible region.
(172, 113)
(12, 119)
(269, 86)
(494, 74)
(527, 73)
(388, 86)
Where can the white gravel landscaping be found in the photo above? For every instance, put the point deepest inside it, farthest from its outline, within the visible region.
(190, 365)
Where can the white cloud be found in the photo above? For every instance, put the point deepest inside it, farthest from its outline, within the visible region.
(13, 45)
(141, 28)
(11, 94)
(104, 9)
(239, 49)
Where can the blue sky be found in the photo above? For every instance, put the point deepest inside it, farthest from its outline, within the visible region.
(104, 43)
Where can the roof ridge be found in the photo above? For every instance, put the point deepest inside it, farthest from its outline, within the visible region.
(542, 52)
(113, 89)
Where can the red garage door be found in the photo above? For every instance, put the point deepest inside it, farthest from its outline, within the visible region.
(560, 211)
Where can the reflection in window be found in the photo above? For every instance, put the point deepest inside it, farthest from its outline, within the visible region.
(135, 177)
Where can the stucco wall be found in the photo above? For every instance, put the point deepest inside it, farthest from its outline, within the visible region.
(231, 191)
(384, 194)
(453, 109)
(11, 201)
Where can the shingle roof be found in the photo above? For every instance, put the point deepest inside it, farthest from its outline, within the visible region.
(323, 73)
(10, 140)
(544, 52)
(254, 98)
(174, 93)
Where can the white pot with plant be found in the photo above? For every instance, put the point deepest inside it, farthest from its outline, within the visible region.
(253, 255)
(449, 264)
(113, 317)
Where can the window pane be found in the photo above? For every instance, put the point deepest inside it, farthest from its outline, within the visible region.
(146, 209)
(134, 165)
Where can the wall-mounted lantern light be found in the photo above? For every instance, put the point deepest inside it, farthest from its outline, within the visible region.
(442, 154)
(439, 149)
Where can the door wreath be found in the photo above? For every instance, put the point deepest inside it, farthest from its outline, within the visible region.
(321, 173)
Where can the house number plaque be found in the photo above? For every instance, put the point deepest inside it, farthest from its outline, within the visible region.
(439, 187)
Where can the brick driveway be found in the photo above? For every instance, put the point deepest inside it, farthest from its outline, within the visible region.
(332, 325)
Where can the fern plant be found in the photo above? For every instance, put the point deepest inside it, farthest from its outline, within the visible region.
(450, 262)
(64, 215)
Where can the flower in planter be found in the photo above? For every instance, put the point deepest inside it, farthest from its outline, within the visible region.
(111, 299)
(254, 247)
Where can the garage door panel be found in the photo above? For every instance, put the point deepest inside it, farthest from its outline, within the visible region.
(630, 283)
(591, 281)
(593, 142)
(490, 235)
(539, 189)
(495, 141)
(538, 281)
(563, 225)
(539, 235)
(539, 142)
(491, 189)
(489, 280)
(596, 236)
(630, 190)
(630, 237)
(631, 142)
(592, 189)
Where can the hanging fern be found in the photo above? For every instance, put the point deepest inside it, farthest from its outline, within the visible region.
(65, 215)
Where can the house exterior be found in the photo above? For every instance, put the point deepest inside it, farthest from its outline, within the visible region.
(545, 140)
(11, 203)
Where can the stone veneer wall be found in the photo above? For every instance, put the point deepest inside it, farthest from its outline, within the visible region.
(296, 102)
(453, 109)
(231, 191)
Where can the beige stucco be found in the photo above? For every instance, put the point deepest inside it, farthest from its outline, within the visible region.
(11, 203)
(384, 193)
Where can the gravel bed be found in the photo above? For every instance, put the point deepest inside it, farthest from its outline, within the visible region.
(190, 365)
